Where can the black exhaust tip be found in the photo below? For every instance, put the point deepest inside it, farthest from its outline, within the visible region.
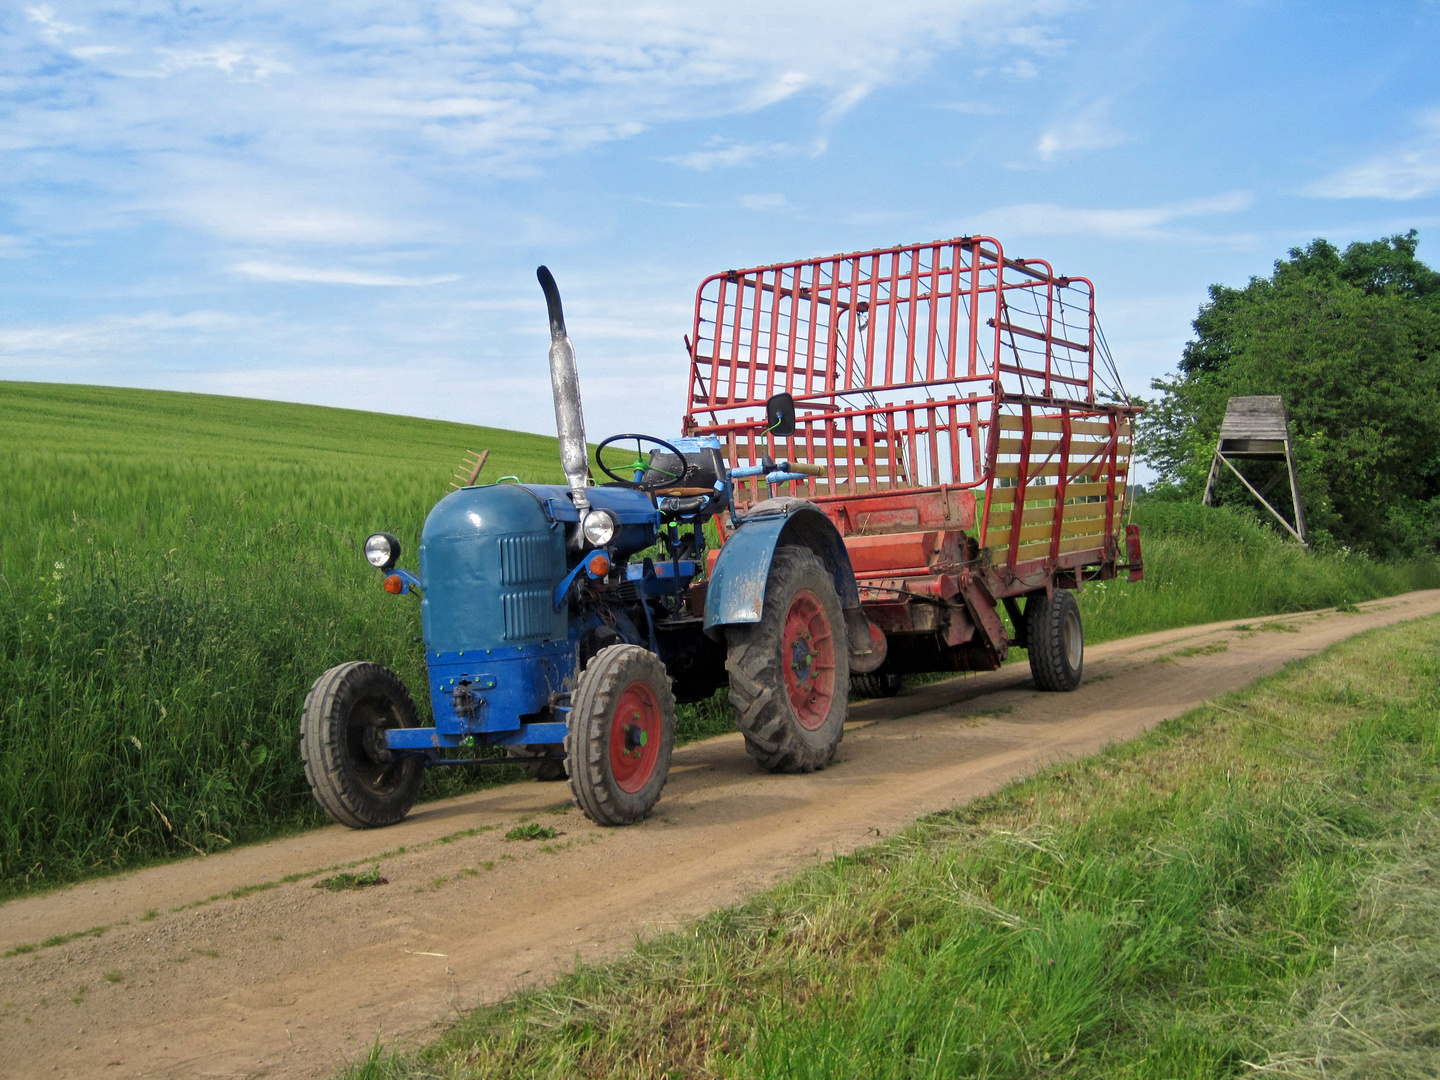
(552, 301)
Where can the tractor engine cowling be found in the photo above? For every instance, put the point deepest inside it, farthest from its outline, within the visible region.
(495, 645)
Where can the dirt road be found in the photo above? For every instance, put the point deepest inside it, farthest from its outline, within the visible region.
(285, 980)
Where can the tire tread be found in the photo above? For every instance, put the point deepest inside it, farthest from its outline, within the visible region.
(753, 661)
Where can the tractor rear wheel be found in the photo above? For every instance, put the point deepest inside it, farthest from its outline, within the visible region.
(357, 779)
(1056, 640)
(790, 672)
(621, 733)
(879, 685)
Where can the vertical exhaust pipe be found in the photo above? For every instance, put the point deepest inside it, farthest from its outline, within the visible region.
(565, 388)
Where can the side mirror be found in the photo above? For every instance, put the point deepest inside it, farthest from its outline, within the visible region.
(780, 415)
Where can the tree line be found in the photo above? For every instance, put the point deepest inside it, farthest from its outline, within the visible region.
(1351, 340)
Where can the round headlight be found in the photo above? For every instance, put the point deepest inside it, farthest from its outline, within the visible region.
(599, 528)
(382, 551)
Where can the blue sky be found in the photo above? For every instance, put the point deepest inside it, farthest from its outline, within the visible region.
(344, 202)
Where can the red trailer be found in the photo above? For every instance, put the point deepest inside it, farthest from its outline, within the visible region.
(972, 437)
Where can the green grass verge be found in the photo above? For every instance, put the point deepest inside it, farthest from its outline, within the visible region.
(1230, 890)
(176, 569)
(1207, 564)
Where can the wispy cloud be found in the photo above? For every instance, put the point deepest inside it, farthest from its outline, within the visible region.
(52, 28)
(1089, 128)
(110, 334)
(765, 201)
(269, 271)
(725, 154)
(398, 102)
(1134, 223)
(1410, 171)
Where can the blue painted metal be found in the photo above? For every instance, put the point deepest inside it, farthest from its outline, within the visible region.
(658, 579)
(433, 739)
(736, 593)
(489, 558)
(488, 691)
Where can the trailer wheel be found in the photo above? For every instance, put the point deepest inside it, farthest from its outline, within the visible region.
(621, 733)
(354, 776)
(790, 672)
(537, 763)
(882, 685)
(1056, 640)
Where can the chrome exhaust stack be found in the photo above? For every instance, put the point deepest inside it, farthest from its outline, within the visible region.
(565, 388)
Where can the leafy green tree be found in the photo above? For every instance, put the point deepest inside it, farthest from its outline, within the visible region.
(1352, 342)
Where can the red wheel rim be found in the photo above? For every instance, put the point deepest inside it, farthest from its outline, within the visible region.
(635, 728)
(807, 653)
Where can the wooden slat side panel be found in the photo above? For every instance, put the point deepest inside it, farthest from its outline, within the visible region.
(1080, 449)
(1012, 468)
(1040, 550)
(1053, 423)
(1086, 527)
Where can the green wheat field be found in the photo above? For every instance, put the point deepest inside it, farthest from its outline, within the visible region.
(176, 569)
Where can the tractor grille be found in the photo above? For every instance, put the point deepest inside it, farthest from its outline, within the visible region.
(528, 614)
(523, 559)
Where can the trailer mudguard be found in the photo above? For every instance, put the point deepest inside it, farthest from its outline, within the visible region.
(736, 594)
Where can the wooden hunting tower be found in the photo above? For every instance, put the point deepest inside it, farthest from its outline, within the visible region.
(1257, 429)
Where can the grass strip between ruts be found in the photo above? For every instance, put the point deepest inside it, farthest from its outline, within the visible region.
(1250, 885)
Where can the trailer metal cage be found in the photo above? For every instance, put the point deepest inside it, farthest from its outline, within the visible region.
(940, 387)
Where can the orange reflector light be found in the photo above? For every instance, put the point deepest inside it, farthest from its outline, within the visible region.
(393, 584)
(599, 564)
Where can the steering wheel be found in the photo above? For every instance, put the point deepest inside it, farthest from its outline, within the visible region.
(667, 478)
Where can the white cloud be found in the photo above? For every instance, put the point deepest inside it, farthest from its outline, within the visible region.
(724, 154)
(108, 335)
(380, 99)
(227, 59)
(766, 201)
(1087, 129)
(1022, 69)
(972, 108)
(1137, 223)
(1411, 171)
(52, 28)
(269, 271)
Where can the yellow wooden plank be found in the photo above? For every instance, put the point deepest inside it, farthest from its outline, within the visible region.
(1040, 514)
(1085, 527)
(1012, 468)
(1028, 552)
(1080, 449)
(1053, 423)
(1044, 494)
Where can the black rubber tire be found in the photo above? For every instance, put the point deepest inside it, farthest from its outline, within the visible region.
(359, 784)
(1056, 640)
(879, 685)
(763, 712)
(593, 705)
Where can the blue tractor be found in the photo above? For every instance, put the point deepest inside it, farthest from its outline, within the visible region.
(564, 622)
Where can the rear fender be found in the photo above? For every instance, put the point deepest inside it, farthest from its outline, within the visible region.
(736, 593)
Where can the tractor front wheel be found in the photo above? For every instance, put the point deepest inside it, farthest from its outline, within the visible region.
(1056, 640)
(790, 672)
(621, 733)
(357, 779)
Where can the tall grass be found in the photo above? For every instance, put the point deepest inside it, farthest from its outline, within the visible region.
(175, 570)
(1182, 906)
(1206, 564)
